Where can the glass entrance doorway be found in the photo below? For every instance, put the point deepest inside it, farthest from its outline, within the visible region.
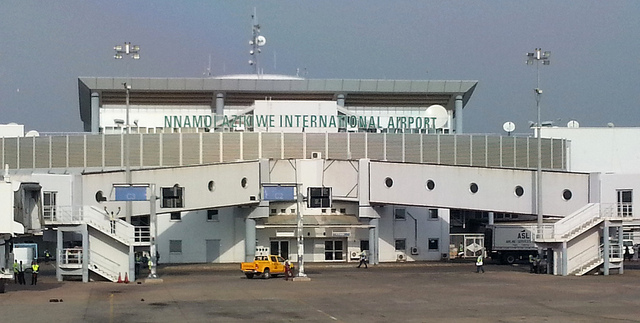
(280, 248)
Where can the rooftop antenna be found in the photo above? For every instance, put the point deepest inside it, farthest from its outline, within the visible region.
(207, 71)
(256, 42)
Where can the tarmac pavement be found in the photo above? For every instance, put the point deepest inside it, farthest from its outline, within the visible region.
(393, 292)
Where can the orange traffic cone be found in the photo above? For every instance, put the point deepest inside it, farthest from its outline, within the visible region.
(126, 278)
(119, 278)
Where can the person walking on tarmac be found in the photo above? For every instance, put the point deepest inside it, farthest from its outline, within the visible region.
(35, 269)
(479, 264)
(532, 264)
(287, 269)
(363, 259)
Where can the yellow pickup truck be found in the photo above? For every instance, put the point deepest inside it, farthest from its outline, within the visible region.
(265, 266)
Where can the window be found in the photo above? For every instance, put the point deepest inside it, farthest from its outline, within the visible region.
(212, 215)
(343, 210)
(175, 246)
(401, 244)
(400, 214)
(433, 214)
(625, 203)
(172, 197)
(433, 244)
(473, 188)
(49, 205)
(319, 197)
(519, 191)
(333, 250)
(431, 185)
(388, 181)
(176, 216)
(567, 195)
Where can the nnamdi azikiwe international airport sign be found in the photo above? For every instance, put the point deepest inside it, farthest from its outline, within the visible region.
(303, 121)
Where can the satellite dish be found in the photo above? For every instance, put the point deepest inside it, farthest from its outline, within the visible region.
(509, 126)
(261, 41)
(440, 113)
(573, 124)
(32, 133)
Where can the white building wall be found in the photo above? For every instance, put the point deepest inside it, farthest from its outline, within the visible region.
(194, 229)
(496, 188)
(600, 149)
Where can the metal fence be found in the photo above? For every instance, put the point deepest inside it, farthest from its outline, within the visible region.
(102, 151)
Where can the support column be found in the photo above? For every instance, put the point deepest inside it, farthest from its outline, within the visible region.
(95, 113)
(621, 246)
(606, 251)
(491, 217)
(85, 253)
(249, 239)
(59, 250)
(373, 242)
(458, 106)
(219, 109)
(340, 100)
(565, 262)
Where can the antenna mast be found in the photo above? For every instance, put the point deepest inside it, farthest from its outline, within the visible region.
(256, 42)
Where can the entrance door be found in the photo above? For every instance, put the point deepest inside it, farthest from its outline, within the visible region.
(333, 250)
(280, 248)
(213, 250)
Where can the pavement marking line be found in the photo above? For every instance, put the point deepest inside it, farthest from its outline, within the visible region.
(111, 308)
(333, 318)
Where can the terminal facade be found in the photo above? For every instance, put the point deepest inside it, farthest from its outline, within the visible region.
(393, 174)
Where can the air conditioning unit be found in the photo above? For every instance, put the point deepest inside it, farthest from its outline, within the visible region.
(316, 155)
(354, 253)
(414, 251)
(401, 256)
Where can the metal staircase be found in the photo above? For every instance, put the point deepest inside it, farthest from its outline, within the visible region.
(107, 243)
(583, 252)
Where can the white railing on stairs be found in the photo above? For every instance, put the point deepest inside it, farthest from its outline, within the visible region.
(103, 265)
(578, 222)
(70, 257)
(115, 227)
(584, 259)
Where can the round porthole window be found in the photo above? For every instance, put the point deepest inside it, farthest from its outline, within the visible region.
(519, 191)
(473, 188)
(567, 195)
(388, 182)
(430, 185)
(211, 186)
(100, 197)
(243, 182)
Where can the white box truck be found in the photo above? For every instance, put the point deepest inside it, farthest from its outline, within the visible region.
(510, 242)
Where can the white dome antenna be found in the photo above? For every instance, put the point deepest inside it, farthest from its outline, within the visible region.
(256, 42)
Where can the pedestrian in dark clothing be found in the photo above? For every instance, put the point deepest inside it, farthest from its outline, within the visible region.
(16, 273)
(363, 259)
(21, 280)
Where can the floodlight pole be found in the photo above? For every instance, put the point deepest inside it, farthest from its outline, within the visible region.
(153, 223)
(300, 231)
(538, 55)
(127, 49)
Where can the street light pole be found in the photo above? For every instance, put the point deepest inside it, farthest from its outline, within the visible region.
(538, 56)
(127, 49)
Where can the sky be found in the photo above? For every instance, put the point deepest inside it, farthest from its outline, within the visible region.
(593, 78)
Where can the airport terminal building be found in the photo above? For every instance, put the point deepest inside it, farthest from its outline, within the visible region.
(376, 165)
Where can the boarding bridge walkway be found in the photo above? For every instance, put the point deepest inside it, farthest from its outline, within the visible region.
(577, 239)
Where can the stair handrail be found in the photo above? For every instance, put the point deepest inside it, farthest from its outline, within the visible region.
(101, 263)
(584, 257)
(122, 230)
(64, 214)
(578, 218)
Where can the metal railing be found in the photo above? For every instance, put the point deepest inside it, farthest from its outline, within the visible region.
(70, 256)
(101, 263)
(579, 221)
(142, 234)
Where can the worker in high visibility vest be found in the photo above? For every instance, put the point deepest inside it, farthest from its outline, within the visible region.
(35, 268)
(15, 271)
(479, 264)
